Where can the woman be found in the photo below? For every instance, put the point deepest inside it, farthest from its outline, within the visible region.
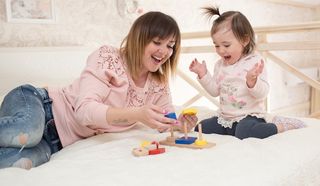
(117, 89)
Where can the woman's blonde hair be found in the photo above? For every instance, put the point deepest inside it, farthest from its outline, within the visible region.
(240, 26)
(147, 27)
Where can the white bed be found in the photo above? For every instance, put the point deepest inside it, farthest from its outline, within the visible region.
(291, 158)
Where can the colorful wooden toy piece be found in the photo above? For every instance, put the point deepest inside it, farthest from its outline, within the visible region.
(171, 115)
(171, 138)
(191, 146)
(140, 151)
(200, 141)
(144, 150)
(145, 144)
(157, 150)
(183, 140)
(190, 111)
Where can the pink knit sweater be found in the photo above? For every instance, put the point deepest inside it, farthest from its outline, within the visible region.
(80, 109)
(236, 99)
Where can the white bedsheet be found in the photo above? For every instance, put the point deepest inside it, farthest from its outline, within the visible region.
(290, 158)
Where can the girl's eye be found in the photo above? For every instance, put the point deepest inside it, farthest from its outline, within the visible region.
(156, 42)
(217, 46)
(226, 46)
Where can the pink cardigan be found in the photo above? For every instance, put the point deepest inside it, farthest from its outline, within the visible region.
(80, 109)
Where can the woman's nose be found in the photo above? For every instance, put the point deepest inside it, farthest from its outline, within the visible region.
(163, 50)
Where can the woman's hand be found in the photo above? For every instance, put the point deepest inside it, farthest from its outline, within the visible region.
(153, 116)
(198, 68)
(189, 119)
(253, 74)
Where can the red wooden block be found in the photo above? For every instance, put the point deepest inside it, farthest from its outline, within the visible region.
(157, 151)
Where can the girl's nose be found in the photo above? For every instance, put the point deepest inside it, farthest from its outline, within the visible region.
(220, 50)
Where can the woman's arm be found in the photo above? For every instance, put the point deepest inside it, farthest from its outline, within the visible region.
(150, 115)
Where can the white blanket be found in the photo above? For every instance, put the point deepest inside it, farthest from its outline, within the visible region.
(290, 158)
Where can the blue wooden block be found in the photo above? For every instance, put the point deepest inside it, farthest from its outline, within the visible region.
(171, 115)
(183, 140)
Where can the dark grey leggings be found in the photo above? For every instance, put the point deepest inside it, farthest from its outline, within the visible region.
(249, 126)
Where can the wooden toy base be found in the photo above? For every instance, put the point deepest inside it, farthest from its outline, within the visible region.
(192, 146)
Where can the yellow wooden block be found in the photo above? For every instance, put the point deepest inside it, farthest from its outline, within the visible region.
(144, 144)
(201, 142)
(190, 111)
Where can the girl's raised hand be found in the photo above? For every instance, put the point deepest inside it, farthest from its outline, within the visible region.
(198, 68)
(254, 73)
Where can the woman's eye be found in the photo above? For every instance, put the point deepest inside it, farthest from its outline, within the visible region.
(171, 47)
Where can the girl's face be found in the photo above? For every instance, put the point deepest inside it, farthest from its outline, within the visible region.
(227, 46)
(157, 52)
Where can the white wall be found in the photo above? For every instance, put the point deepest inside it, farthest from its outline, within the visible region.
(40, 66)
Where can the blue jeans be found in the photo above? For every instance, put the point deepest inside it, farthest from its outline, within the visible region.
(249, 126)
(28, 136)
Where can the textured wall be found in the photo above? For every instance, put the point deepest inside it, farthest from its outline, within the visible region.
(91, 23)
(79, 22)
(95, 22)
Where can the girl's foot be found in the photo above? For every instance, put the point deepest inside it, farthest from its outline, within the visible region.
(284, 123)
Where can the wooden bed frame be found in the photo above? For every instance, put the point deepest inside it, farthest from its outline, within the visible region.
(78, 54)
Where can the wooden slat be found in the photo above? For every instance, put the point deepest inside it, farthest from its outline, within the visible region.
(303, 27)
(192, 100)
(288, 28)
(292, 3)
(195, 35)
(198, 49)
(315, 115)
(197, 87)
(283, 46)
(279, 46)
(315, 101)
(294, 71)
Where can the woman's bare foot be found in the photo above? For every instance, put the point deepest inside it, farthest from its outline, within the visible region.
(284, 123)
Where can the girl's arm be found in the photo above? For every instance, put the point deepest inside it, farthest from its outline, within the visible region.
(210, 83)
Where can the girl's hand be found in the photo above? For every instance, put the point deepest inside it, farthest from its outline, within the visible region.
(253, 74)
(198, 68)
(190, 120)
(153, 116)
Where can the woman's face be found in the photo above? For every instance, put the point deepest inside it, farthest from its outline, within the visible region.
(157, 52)
(227, 46)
